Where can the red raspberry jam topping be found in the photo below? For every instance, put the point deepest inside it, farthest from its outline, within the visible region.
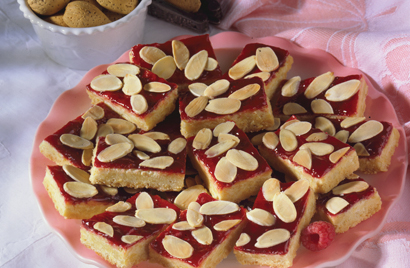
(74, 127)
(201, 252)
(119, 230)
(244, 145)
(255, 230)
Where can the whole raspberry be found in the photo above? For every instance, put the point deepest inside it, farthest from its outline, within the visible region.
(318, 235)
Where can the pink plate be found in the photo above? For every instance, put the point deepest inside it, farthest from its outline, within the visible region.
(227, 45)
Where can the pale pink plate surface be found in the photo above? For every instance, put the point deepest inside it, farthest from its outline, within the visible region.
(227, 45)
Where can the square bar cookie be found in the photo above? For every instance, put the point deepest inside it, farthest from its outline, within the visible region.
(326, 94)
(138, 95)
(74, 142)
(122, 234)
(75, 197)
(154, 159)
(202, 237)
(177, 60)
(303, 152)
(243, 101)
(230, 166)
(269, 63)
(271, 236)
(352, 201)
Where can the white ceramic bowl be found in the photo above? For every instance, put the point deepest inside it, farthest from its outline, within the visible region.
(84, 48)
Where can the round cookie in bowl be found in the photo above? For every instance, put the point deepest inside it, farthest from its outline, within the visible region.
(86, 47)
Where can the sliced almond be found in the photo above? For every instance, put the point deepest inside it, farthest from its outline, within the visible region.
(257, 139)
(325, 125)
(104, 228)
(336, 155)
(185, 197)
(317, 136)
(270, 188)
(157, 215)
(335, 204)
(159, 162)
(318, 148)
(182, 226)
(211, 64)
(266, 59)
(115, 152)
(303, 157)
(244, 239)
(351, 121)
(275, 126)
(145, 143)
(112, 139)
(225, 137)
(242, 68)
(87, 157)
(194, 218)
(109, 190)
(272, 238)
(129, 221)
(223, 106)
(80, 189)
(106, 82)
(350, 187)
(226, 225)
(120, 206)
(288, 140)
(156, 135)
(245, 92)
(291, 87)
(197, 89)
(287, 123)
(297, 190)
(203, 235)
(242, 159)
(202, 139)
(132, 85)
(151, 54)
(177, 146)
(319, 84)
(366, 131)
(131, 239)
(181, 54)
(352, 176)
(320, 106)
(196, 65)
(343, 91)
(104, 130)
(177, 247)
(219, 148)
(95, 112)
(131, 190)
(225, 127)
(194, 206)
(122, 69)
(121, 126)
(225, 171)
(77, 174)
(360, 149)
(196, 106)
(144, 201)
(157, 87)
(164, 67)
(300, 127)
(218, 207)
(141, 155)
(284, 208)
(292, 108)
(262, 75)
(270, 140)
(342, 135)
(261, 217)
(76, 142)
(217, 88)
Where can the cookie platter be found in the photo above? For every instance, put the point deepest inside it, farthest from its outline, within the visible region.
(227, 46)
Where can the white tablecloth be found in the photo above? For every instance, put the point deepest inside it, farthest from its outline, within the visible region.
(29, 84)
